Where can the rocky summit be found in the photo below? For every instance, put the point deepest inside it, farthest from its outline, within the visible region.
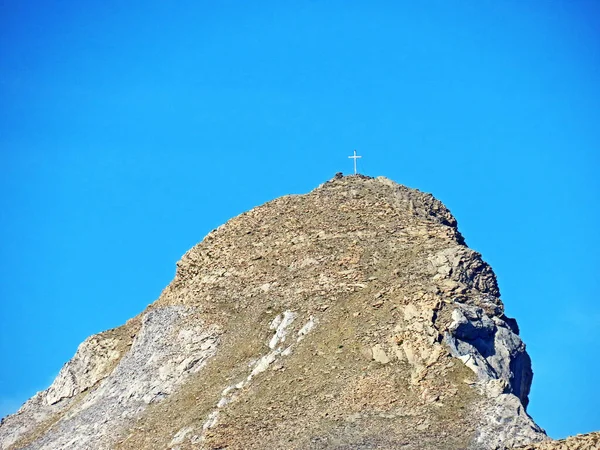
(352, 317)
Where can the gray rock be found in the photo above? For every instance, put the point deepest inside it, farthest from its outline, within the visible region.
(163, 354)
(491, 349)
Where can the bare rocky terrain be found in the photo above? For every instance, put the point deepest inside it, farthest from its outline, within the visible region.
(352, 317)
(590, 441)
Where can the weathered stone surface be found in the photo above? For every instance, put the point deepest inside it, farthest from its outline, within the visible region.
(162, 354)
(590, 441)
(94, 360)
(350, 317)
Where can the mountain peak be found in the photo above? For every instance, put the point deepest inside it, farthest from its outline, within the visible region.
(353, 316)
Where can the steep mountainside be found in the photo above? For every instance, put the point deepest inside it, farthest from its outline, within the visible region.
(352, 317)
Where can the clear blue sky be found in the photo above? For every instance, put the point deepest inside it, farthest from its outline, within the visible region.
(129, 132)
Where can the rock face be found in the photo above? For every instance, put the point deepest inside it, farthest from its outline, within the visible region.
(352, 317)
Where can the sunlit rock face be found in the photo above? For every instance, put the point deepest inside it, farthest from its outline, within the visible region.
(352, 317)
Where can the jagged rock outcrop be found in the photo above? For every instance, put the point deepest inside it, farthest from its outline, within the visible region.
(352, 317)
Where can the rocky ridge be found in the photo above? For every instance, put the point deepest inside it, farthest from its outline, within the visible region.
(590, 441)
(352, 317)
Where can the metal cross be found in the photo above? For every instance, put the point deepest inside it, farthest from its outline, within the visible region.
(354, 158)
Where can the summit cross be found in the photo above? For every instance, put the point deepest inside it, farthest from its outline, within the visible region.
(354, 158)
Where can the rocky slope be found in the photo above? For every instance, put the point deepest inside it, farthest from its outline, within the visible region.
(590, 441)
(352, 317)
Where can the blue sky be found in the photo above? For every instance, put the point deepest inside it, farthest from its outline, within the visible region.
(127, 132)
